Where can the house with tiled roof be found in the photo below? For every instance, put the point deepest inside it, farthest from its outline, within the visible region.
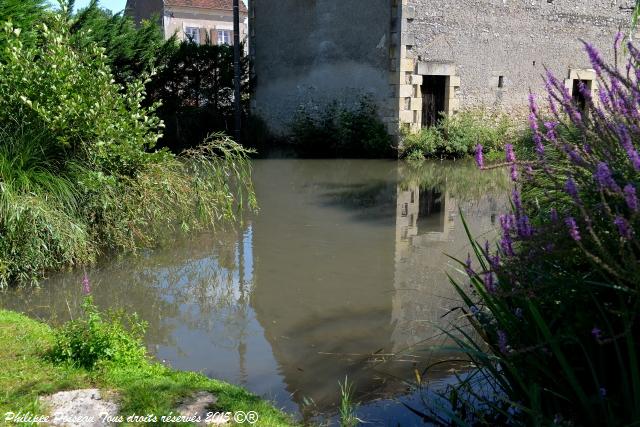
(202, 21)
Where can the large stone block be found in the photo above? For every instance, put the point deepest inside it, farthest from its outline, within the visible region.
(407, 64)
(406, 91)
(427, 68)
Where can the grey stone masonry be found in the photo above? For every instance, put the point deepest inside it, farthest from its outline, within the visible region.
(479, 53)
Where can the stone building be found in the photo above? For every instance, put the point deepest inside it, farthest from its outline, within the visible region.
(202, 21)
(417, 59)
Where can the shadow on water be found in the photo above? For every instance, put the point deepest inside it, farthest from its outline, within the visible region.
(342, 272)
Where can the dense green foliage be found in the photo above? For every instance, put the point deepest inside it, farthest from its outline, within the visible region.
(95, 338)
(79, 169)
(24, 16)
(457, 136)
(130, 51)
(143, 387)
(194, 86)
(342, 132)
(556, 305)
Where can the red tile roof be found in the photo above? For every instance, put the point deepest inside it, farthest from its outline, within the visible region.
(206, 4)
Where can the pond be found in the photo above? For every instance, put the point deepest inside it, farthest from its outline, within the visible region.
(341, 273)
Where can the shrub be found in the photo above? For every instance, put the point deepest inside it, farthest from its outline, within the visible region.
(78, 168)
(342, 132)
(556, 303)
(98, 338)
(458, 135)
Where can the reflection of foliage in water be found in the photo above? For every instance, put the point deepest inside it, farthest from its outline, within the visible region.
(462, 179)
(196, 283)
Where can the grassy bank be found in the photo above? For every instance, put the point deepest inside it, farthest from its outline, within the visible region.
(146, 388)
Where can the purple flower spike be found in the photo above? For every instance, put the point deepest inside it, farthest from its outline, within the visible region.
(517, 199)
(594, 57)
(537, 139)
(524, 227)
(468, 268)
(502, 342)
(479, 156)
(604, 178)
(625, 141)
(573, 229)
(511, 156)
(623, 227)
(554, 215)
(86, 287)
(533, 106)
(489, 282)
(514, 173)
(631, 198)
(572, 189)
(507, 224)
(507, 245)
(551, 131)
(603, 392)
(618, 40)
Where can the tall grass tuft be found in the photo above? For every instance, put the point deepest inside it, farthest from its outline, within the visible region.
(347, 410)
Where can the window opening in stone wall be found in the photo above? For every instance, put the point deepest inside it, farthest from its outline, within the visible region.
(433, 99)
(500, 82)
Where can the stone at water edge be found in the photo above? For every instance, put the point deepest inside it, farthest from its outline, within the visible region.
(199, 405)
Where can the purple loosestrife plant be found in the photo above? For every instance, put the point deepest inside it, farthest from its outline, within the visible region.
(479, 156)
(573, 229)
(86, 285)
(569, 258)
(631, 197)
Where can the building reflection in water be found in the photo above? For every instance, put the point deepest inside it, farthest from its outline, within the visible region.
(342, 268)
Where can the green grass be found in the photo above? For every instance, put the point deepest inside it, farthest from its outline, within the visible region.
(457, 136)
(149, 388)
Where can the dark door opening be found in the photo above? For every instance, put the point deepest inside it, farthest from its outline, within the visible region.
(433, 99)
(578, 96)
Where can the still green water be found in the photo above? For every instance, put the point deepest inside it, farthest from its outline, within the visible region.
(342, 272)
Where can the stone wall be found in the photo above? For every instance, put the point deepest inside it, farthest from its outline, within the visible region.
(491, 53)
(494, 51)
(310, 53)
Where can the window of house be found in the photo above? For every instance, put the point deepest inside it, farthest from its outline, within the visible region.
(192, 34)
(224, 37)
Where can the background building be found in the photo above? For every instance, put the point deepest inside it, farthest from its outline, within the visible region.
(203, 21)
(416, 58)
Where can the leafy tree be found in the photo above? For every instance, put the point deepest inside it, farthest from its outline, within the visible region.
(131, 51)
(195, 89)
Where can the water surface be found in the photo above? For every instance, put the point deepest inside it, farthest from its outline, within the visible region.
(342, 272)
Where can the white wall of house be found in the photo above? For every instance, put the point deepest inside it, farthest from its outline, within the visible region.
(216, 25)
